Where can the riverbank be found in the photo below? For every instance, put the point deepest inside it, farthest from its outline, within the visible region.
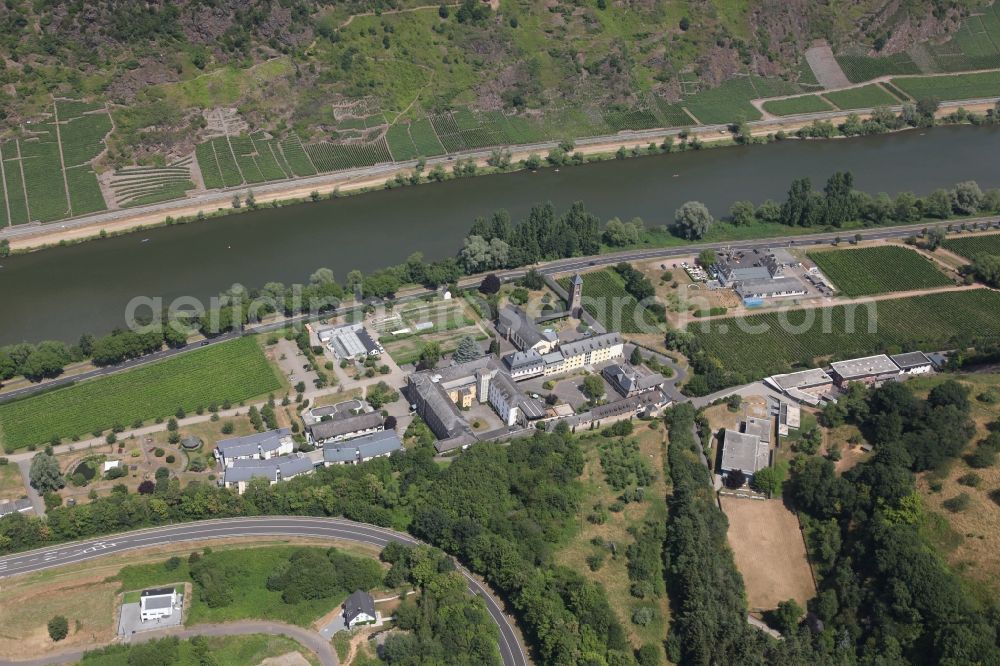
(219, 203)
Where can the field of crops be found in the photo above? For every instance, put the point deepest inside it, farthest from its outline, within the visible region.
(926, 322)
(728, 103)
(137, 186)
(233, 371)
(864, 97)
(84, 193)
(630, 119)
(976, 45)
(794, 105)
(865, 68)
(424, 139)
(951, 86)
(217, 163)
(878, 270)
(400, 144)
(605, 298)
(16, 201)
(970, 246)
(43, 174)
(333, 157)
(295, 156)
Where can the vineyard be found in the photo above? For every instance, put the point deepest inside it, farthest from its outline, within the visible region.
(860, 68)
(233, 371)
(927, 322)
(728, 103)
(137, 186)
(878, 270)
(973, 245)
(605, 298)
(951, 86)
(796, 105)
(333, 157)
(864, 97)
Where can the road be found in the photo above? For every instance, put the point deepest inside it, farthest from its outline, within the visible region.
(314, 642)
(546, 268)
(223, 198)
(511, 650)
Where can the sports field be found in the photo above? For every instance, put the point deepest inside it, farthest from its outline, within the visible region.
(233, 371)
(769, 551)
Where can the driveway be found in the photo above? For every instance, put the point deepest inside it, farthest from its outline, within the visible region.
(333, 626)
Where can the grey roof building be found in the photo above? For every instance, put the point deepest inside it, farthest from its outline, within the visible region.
(805, 379)
(515, 325)
(912, 361)
(769, 288)
(760, 427)
(363, 448)
(345, 428)
(591, 344)
(743, 452)
(261, 443)
(869, 368)
(15, 506)
(273, 469)
(628, 382)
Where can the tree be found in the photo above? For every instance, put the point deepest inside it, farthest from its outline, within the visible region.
(692, 220)
(741, 213)
(935, 237)
(769, 480)
(44, 473)
(533, 162)
(928, 106)
(636, 357)
(593, 387)
(938, 204)
(482, 255)
(966, 197)
(786, 618)
(706, 258)
(146, 487)
(468, 349)
(430, 355)
(840, 205)
(986, 268)
(4, 248)
(490, 284)
(58, 628)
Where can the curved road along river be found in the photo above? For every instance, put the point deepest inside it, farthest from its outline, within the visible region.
(511, 650)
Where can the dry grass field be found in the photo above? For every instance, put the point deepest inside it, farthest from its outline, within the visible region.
(769, 552)
(11, 483)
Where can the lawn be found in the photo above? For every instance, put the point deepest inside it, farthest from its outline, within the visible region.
(951, 86)
(780, 340)
(970, 246)
(251, 599)
(11, 483)
(878, 270)
(864, 97)
(605, 298)
(233, 371)
(225, 651)
(795, 105)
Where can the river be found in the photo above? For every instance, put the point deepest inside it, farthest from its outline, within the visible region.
(65, 291)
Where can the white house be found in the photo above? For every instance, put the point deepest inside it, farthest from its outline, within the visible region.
(359, 609)
(157, 603)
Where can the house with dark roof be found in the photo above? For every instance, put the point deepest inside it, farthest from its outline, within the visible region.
(629, 382)
(359, 609)
(524, 364)
(362, 449)
(514, 325)
(261, 446)
(15, 506)
(339, 430)
(913, 363)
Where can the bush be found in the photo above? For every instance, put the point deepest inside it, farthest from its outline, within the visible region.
(170, 459)
(58, 628)
(158, 452)
(958, 503)
(228, 428)
(595, 560)
(971, 480)
(172, 563)
(642, 616)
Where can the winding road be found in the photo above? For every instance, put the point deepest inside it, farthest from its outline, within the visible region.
(512, 651)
